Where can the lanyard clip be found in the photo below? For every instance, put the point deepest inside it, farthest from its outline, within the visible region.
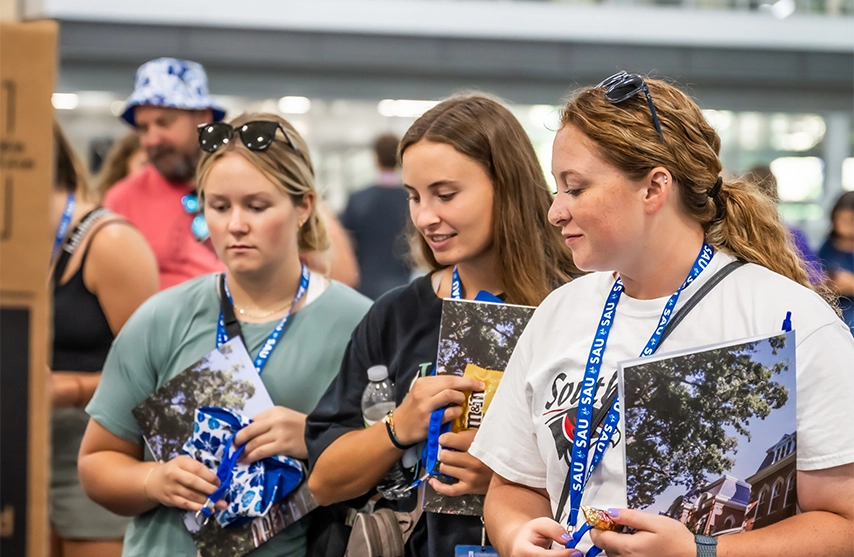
(207, 511)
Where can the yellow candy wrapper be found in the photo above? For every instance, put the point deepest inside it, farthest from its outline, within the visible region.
(599, 519)
(477, 403)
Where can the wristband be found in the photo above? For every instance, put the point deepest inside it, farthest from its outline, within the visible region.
(706, 546)
(388, 420)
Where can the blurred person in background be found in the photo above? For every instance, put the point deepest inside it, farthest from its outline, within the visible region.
(376, 219)
(103, 270)
(837, 255)
(125, 157)
(767, 182)
(169, 101)
(338, 261)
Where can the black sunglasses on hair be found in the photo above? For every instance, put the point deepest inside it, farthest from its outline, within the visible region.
(622, 86)
(257, 135)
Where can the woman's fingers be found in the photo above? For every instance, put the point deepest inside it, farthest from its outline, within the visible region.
(412, 417)
(461, 473)
(253, 430)
(474, 476)
(263, 447)
(196, 475)
(460, 441)
(436, 383)
(190, 495)
(185, 504)
(536, 537)
(196, 484)
(275, 431)
(182, 482)
(451, 490)
(451, 414)
(458, 458)
(446, 398)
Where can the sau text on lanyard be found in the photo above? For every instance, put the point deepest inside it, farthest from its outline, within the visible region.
(579, 472)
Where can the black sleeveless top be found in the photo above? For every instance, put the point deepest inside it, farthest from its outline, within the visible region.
(81, 332)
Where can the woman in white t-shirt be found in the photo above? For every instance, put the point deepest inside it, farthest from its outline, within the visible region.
(640, 201)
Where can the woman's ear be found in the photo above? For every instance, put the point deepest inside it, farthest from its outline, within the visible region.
(659, 188)
(307, 206)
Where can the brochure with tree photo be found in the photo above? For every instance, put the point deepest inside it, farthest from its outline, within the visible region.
(224, 378)
(710, 434)
(474, 337)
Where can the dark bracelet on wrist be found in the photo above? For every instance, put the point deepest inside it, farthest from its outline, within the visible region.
(388, 420)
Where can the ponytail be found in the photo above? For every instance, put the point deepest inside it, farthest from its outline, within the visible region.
(748, 226)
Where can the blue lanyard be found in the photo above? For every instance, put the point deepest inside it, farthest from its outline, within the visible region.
(430, 453)
(482, 296)
(267, 349)
(63, 225)
(579, 474)
(456, 285)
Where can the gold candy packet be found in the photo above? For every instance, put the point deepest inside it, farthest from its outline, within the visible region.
(600, 519)
(477, 403)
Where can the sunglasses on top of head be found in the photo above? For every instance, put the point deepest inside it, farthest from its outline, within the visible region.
(622, 86)
(257, 135)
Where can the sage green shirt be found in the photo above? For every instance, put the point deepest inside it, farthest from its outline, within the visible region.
(173, 330)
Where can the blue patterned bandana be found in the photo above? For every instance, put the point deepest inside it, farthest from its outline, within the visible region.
(249, 489)
(171, 83)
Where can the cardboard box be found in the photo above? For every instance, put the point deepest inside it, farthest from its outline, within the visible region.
(27, 73)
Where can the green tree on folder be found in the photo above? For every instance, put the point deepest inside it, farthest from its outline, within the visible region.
(167, 416)
(679, 409)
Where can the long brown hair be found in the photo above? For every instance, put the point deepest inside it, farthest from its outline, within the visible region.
(530, 251)
(69, 174)
(288, 170)
(740, 218)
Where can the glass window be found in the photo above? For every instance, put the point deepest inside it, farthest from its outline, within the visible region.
(848, 174)
(763, 497)
(775, 496)
(790, 489)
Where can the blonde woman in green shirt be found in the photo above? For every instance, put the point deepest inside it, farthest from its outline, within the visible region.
(256, 185)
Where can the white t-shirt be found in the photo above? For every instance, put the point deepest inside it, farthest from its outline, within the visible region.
(523, 439)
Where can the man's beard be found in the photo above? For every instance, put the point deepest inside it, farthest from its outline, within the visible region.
(172, 164)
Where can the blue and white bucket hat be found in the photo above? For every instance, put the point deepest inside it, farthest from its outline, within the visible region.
(172, 83)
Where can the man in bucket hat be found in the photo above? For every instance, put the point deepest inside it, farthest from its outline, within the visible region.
(169, 101)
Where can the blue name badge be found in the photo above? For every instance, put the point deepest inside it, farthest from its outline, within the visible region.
(475, 551)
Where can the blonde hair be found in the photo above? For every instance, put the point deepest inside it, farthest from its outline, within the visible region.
(530, 251)
(115, 166)
(288, 170)
(739, 219)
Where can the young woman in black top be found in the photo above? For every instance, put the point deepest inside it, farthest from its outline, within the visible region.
(101, 274)
(478, 202)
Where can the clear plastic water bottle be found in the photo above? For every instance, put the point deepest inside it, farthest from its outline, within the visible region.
(377, 401)
(378, 398)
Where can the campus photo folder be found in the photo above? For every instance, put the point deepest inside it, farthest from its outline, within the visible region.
(710, 434)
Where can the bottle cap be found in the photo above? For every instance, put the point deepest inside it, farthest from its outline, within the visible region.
(377, 373)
